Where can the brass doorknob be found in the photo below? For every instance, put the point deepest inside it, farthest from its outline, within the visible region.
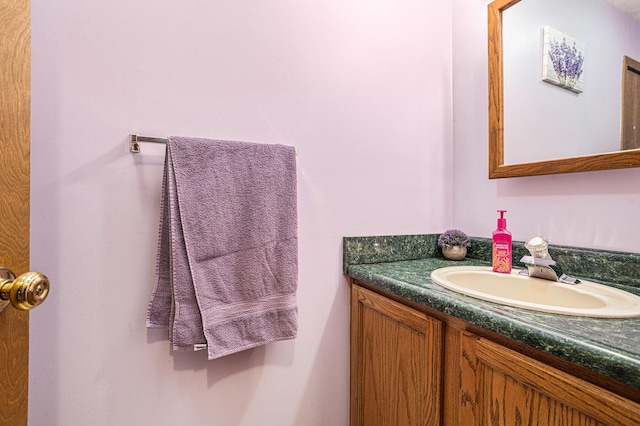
(25, 292)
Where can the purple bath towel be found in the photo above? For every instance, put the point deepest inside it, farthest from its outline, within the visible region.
(227, 265)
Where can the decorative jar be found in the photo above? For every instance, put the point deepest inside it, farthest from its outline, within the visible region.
(454, 252)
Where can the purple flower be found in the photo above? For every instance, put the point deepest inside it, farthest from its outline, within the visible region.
(453, 237)
(567, 62)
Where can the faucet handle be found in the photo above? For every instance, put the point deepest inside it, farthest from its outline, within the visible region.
(537, 246)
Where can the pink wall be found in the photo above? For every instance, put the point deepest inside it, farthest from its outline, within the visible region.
(361, 88)
(597, 209)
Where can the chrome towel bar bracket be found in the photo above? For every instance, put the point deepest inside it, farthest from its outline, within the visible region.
(134, 142)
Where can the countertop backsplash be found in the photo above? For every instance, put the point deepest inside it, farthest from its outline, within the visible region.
(603, 266)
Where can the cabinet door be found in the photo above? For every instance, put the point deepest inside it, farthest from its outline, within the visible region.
(514, 389)
(396, 363)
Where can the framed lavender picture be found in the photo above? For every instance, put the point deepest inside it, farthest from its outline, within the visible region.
(562, 60)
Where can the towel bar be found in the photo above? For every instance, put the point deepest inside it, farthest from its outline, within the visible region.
(134, 142)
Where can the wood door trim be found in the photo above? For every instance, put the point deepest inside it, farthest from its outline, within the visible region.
(15, 103)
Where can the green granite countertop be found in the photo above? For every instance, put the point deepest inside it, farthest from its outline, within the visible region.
(402, 265)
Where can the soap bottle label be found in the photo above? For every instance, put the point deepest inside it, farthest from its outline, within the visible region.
(501, 258)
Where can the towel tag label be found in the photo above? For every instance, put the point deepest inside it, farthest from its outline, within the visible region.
(199, 347)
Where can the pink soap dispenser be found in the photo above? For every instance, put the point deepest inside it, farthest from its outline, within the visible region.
(501, 252)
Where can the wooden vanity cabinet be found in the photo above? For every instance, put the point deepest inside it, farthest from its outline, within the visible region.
(409, 368)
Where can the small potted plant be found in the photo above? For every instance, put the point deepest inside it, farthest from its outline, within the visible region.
(454, 244)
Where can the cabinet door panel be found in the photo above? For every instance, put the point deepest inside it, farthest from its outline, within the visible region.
(396, 363)
(514, 389)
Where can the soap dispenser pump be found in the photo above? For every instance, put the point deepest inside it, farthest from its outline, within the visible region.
(501, 251)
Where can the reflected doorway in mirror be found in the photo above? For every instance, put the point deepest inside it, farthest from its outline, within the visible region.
(562, 60)
(630, 104)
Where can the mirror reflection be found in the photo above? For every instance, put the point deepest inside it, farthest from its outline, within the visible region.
(545, 120)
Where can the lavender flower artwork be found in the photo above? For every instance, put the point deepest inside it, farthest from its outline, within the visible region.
(562, 60)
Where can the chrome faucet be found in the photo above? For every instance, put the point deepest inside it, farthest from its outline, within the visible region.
(540, 264)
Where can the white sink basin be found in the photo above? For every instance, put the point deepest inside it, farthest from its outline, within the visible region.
(585, 299)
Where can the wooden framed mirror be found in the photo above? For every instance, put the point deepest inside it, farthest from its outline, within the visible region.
(497, 168)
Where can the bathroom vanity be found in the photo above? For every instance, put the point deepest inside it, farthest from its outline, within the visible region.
(422, 354)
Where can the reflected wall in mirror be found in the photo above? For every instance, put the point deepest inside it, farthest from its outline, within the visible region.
(537, 128)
